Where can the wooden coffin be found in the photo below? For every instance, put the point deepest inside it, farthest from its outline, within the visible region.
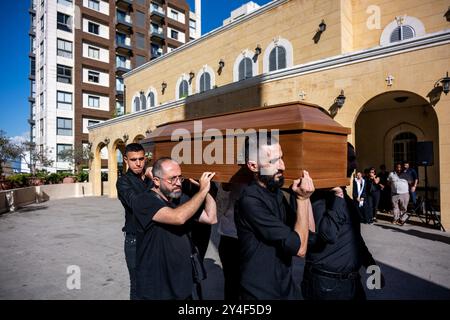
(310, 140)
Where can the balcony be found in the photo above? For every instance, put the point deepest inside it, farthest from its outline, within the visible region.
(31, 122)
(123, 47)
(157, 13)
(155, 53)
(121, 69)
(32, 31)
(31, 99)
(124, 24)
(125, 4)
(32, 10)
(157, 34)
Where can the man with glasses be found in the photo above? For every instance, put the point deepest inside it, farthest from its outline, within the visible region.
(135, 181)
(164, 217)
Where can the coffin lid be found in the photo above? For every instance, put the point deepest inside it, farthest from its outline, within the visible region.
(298, 116)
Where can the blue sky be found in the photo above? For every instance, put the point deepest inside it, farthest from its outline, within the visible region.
(14, 84)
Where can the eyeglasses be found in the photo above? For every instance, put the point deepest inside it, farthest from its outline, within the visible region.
(173, 180)
(136, 159)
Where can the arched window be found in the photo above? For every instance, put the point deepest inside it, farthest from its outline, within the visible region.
(277, 58)
(245, 66)
(402, 28)
(245, 69)
(205, 82)
(183, 89)
(404, 147)
(143, 101)
(279, 54)
(151, 99)
(137, 104)
(402, 33)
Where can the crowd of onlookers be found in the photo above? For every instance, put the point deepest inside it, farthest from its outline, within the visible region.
(388, 192)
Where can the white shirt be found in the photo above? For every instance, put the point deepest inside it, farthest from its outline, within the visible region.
(399, 185)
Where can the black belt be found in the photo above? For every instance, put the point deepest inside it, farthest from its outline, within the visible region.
(334, 275)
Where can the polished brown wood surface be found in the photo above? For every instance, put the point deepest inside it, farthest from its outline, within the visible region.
(309, 138)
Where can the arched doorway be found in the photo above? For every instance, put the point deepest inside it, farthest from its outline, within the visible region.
(388, 128)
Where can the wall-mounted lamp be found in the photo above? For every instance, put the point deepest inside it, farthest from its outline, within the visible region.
(447, 14)
(163, 86)
(445, 83)
(191, 76)
(221, 65)
(322, 28)
(340, 99)
(106, 141)
(125, 137)
(257, 50)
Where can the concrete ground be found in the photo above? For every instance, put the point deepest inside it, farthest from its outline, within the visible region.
(38, 244)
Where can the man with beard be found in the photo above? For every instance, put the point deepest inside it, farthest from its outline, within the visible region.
(336, 250)
(164, 217)
(269, 232)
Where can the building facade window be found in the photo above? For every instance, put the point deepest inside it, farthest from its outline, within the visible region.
(120, 87)
(94, 76)
(277, 58)
(41, 101)
(183, 89)
(93, 28)
(404, 147)
(60, 154)
(205, 79)
(121, 61)
(94, 102)
(42, 23)
(64, 74)
(93, 52)
(64, 100)
(402, 28)
(64, 126)
(92, 122)
(41, 51)
(94, 5)
(140, 19)
(245, 66)
(140, 60)
(173, 14)
(143, 101)
(205, 82)
(140, 40)
(41, 75)
(64, 48)
(245, 69)
(278, 55)
(402, 33)
(64, 22)
(174, 34)
(121, 38)
(41, 127)
(152, 97)
(137, 104)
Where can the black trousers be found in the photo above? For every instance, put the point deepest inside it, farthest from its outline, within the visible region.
(130, 258)
(319, 287)
(229, 256)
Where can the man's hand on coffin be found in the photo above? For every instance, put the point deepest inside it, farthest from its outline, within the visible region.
(303, 186)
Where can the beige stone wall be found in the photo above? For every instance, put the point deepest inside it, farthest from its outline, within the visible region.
(429, 12)
(297, 20)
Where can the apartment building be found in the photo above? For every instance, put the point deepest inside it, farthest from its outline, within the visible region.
(79, 50)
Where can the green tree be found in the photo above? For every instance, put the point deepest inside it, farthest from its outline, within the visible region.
(34, 156)
(8, 150)
(78, 156)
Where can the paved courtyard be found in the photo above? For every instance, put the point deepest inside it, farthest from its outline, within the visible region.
(38, 243)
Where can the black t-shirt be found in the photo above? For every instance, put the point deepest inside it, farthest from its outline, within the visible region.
(163, 265)
(264, 222)
(128, 187)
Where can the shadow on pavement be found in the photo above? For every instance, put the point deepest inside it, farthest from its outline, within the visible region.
(420, 234)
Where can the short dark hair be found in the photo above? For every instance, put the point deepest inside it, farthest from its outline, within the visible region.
(157, 166)
(253, 139)
(133, 147)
